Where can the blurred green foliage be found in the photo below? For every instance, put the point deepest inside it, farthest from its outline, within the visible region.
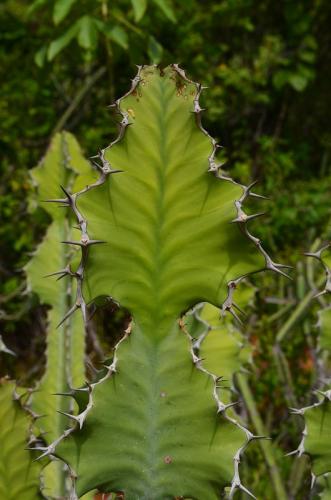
(268, 68)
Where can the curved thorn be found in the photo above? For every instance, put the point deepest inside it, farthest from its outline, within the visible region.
(56, 273)
(68, 195)
(69, 313)
(297, 411)
(235, 315)
(255, 216)
(46, 453)
(67, 394)
(294, 452)
(275, 267)
(64, 201)
(245, 490)
(77, 418)
(261, 196)
(118, 171)
(96, 164)
(95, 242)
(230, 405)
(84, 312)
(68, 242)
(69, 415)
(239, 309)
(268, 438)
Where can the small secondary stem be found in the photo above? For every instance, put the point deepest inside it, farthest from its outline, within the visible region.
(298, 312)
(90, 81)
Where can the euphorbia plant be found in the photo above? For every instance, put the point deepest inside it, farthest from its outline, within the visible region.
(162, 229)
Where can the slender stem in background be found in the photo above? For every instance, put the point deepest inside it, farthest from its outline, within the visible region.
(266, 445)
(280, 313)
(89, 82)
(282, 367)
(285, 376)
(298, 312)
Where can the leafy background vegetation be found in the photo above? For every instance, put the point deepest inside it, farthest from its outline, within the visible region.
(268, 68)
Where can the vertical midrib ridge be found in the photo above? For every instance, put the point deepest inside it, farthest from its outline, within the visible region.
(159, 242)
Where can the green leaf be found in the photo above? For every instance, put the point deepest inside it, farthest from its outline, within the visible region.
(298, 81)
(280, 78)
(307, 56)
(139, 9)
(62, 9)
(152, 427)
(155, 50)
(311, 42)
(40, 57)
(166, 8)
(118, 35)
(35, 6)
(20, 474)
(87, 34)
(56, 46)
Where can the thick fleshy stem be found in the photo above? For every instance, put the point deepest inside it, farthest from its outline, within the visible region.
(106, 169)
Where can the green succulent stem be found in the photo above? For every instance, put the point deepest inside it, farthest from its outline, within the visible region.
(167, 232)
(266, 445)
(48, 274)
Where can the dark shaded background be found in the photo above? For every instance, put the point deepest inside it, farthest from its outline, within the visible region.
(268, 68)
